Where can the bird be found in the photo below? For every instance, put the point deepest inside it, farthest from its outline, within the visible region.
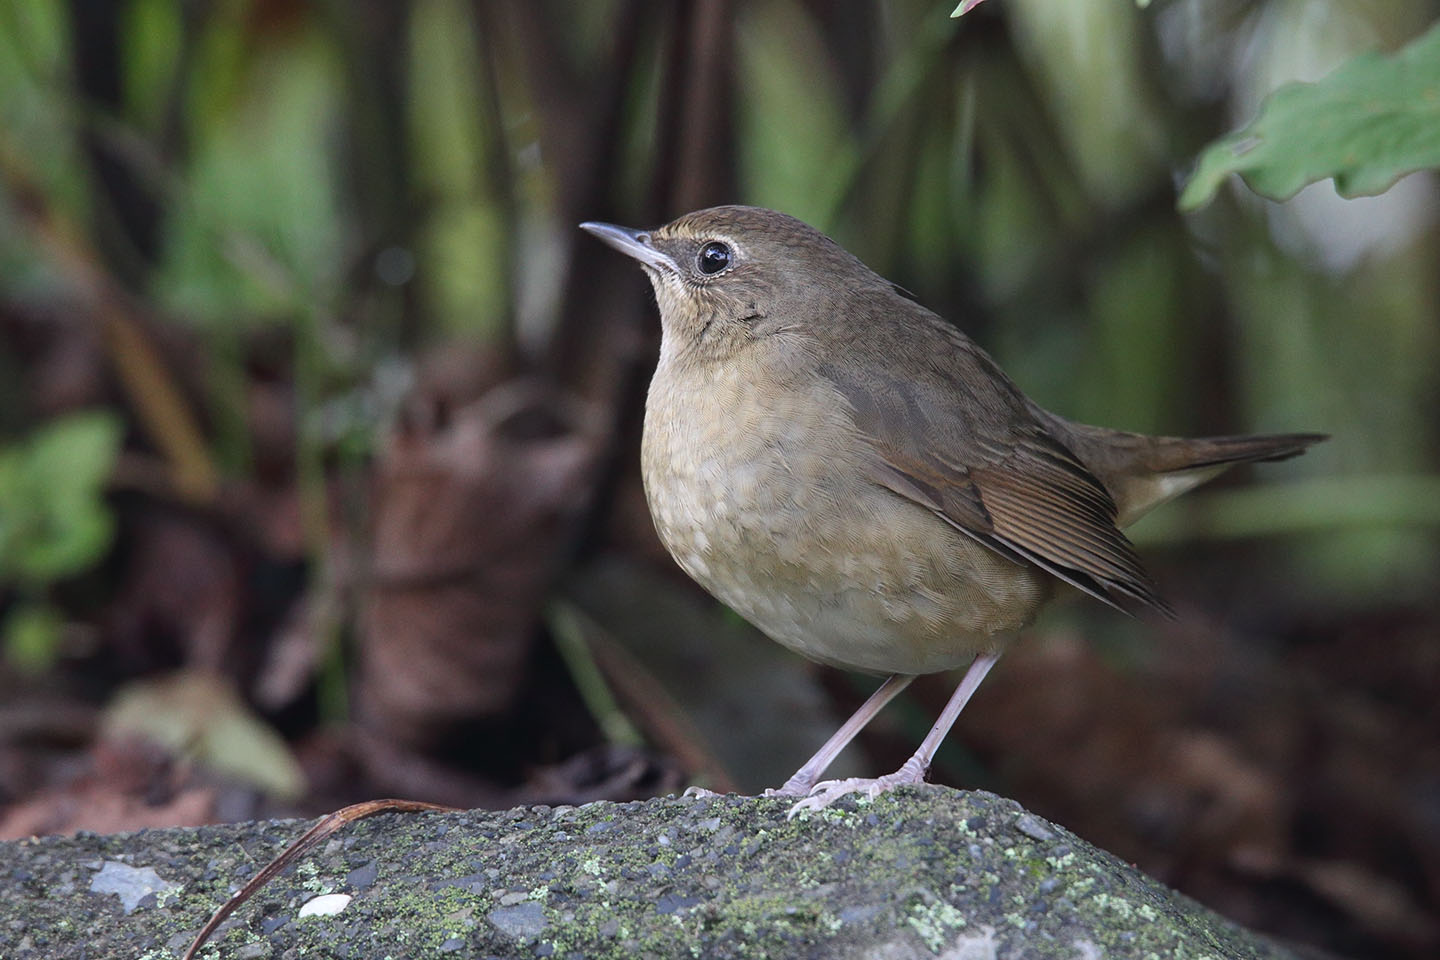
(859, 480)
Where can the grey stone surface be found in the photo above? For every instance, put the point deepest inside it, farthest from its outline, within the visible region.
(924, 872)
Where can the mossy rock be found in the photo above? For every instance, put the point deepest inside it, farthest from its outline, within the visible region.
(922, 872)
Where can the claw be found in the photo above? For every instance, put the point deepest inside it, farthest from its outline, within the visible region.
(698, 793)
(826, 792)
(785, 791)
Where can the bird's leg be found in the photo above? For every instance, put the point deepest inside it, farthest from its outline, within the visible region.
(912, 770)
(804, 779)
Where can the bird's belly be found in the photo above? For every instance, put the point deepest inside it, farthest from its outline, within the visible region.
(828, 564)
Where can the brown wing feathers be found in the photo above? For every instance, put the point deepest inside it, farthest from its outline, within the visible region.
(1052, 511)
(1024, 494)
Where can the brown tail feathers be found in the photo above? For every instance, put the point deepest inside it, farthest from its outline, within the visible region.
(1167, 454)
(1142, 472)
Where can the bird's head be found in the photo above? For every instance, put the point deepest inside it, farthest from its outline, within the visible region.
(727, 274)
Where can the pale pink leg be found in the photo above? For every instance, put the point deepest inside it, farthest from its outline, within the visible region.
(804, 779)
(912, 770)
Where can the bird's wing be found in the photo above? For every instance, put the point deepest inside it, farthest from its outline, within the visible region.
(960, 440)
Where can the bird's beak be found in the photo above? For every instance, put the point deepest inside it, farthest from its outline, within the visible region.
(632, 243)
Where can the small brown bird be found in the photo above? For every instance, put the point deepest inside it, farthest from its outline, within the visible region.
(858, 479)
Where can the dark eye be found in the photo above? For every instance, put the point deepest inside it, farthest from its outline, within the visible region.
(714, 257)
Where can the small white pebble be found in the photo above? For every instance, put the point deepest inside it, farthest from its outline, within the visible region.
(326, 905)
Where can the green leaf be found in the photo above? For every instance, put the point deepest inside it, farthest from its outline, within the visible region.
(32, 638)
(1366, 124)
(74, 455)
(53, 519)
(73, 537)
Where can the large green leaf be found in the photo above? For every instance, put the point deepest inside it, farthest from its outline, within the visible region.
(1366, 124)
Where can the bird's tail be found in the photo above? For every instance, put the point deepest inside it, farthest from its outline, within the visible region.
(1143, 472)
(1171, 454)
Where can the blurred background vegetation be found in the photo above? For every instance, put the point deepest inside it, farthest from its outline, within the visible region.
(319, 418)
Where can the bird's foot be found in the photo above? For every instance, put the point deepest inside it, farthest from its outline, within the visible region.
(826, 792)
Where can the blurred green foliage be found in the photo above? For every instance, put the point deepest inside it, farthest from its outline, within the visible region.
(54, 522)
(33, 633)
(367, 179)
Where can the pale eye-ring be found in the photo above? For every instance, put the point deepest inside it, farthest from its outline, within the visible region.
(713, 257)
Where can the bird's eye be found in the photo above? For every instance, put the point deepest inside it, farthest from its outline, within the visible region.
(714, 257)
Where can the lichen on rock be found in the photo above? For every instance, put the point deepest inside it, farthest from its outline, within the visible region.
(922, 872)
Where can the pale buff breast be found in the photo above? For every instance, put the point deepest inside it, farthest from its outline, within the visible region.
(755, 501)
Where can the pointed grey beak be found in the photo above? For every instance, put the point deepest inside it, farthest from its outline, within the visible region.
(632, 243)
